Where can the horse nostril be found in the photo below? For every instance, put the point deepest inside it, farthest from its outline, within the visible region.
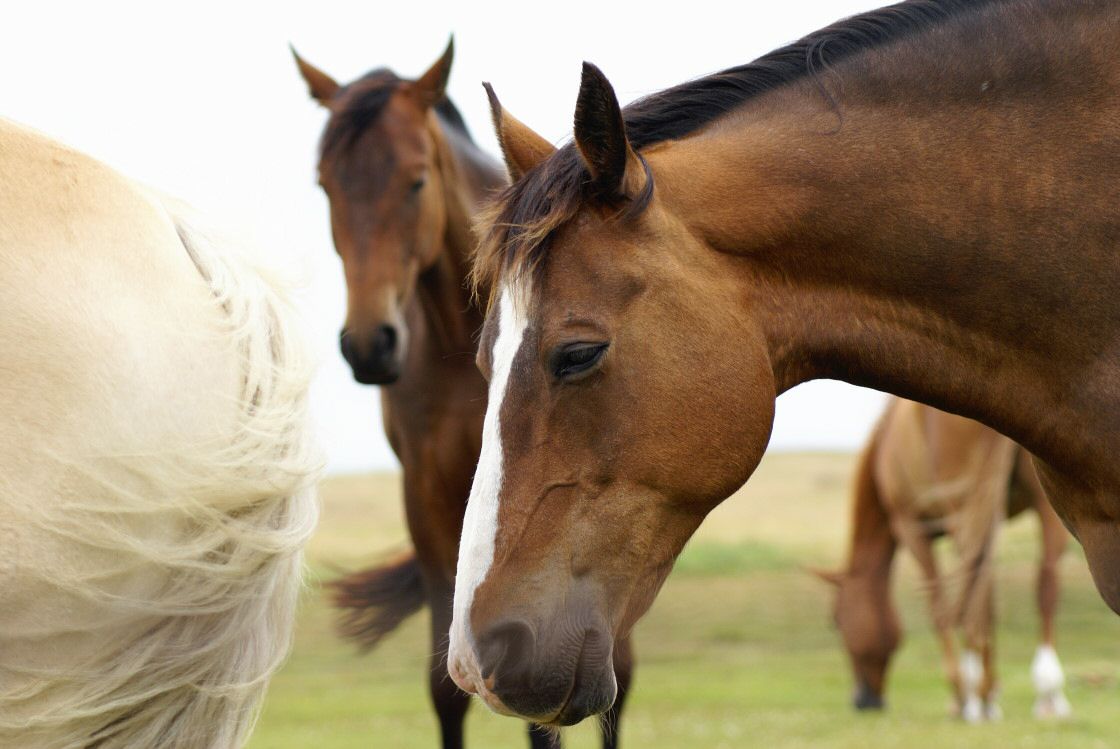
(385, 340)
(506, 650)
(346, 344)
(373, 358)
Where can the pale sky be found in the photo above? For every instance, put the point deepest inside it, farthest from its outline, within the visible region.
(202, 100)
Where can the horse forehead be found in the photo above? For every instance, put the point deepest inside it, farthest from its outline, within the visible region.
(405, 129)
(504, 332)
(396, 138)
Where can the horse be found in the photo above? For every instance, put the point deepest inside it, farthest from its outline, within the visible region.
(926, 474)
(923, 199)
(157, 467)
(404, 181)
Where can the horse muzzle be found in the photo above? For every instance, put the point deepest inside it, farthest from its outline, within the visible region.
(515, 673)
(375, 359)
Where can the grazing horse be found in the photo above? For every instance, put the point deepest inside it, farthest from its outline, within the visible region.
(404, 180)
(926, 474)
(156, 466)
(923, 199)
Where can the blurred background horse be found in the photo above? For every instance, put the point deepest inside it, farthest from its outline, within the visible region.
(156, 465)
(923, 475)
(404, 180)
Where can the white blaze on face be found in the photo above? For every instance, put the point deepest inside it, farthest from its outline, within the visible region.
(480, 523)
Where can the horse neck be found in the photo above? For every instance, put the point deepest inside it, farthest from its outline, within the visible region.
(466, 175)
(873, 544)
(920, 242)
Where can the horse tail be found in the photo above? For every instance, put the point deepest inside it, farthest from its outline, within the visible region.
(374, 601)
(184, 555)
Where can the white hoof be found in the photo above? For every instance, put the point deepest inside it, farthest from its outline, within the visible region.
(993, 712)
(1046, 671)
(973, 710)
(1049, 678)
(1053, 706)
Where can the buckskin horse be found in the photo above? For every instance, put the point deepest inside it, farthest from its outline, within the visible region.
(923, 199)
(926, 474)
(156, 465)
(404, 180)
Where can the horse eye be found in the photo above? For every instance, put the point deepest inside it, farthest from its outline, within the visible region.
(574, 359)
(417, 186)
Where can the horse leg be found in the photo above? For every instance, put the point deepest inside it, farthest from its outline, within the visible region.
(434, 498)
(623, 672)
(921, 548)
(989, 687)
(1046, 670)
(977, 662)
(450, 702)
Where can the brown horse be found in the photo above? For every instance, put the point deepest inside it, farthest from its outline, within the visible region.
(926, 474)
(923, 199)
(404, 180)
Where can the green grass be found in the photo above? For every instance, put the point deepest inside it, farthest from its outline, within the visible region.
(715, 559)
(737, 651)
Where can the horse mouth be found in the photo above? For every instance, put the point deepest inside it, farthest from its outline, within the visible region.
(564, 716)
(370, 376)
(573, 710)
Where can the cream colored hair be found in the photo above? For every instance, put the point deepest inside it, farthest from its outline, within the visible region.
(157, 468)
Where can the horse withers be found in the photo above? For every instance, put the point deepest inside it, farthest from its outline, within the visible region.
(924, 200)
(156, 465)
(404, 181)
(926, 474)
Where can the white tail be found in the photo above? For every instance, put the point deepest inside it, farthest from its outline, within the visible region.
(154, 586)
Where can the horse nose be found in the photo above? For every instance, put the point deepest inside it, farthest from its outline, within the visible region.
(374, 361)
(505, 654)
(347, 347)
(384, 342)
(518, 668)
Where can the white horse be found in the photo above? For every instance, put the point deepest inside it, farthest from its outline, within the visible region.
(156, 468)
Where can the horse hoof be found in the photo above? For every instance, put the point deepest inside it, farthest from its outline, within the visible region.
(973, 711)
(993, 712)
(1052, 707)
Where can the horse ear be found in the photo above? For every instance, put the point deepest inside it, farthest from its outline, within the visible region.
(832, 577)
(321, 85)
(432, 86)
(601, 136)
(522, 148)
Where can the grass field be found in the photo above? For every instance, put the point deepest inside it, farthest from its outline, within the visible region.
(738, 650)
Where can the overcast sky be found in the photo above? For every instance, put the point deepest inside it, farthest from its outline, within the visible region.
(201, 99)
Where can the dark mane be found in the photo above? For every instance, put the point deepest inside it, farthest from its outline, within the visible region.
(449, 114)
(681, 110)
(362, 103)
(518, 226)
